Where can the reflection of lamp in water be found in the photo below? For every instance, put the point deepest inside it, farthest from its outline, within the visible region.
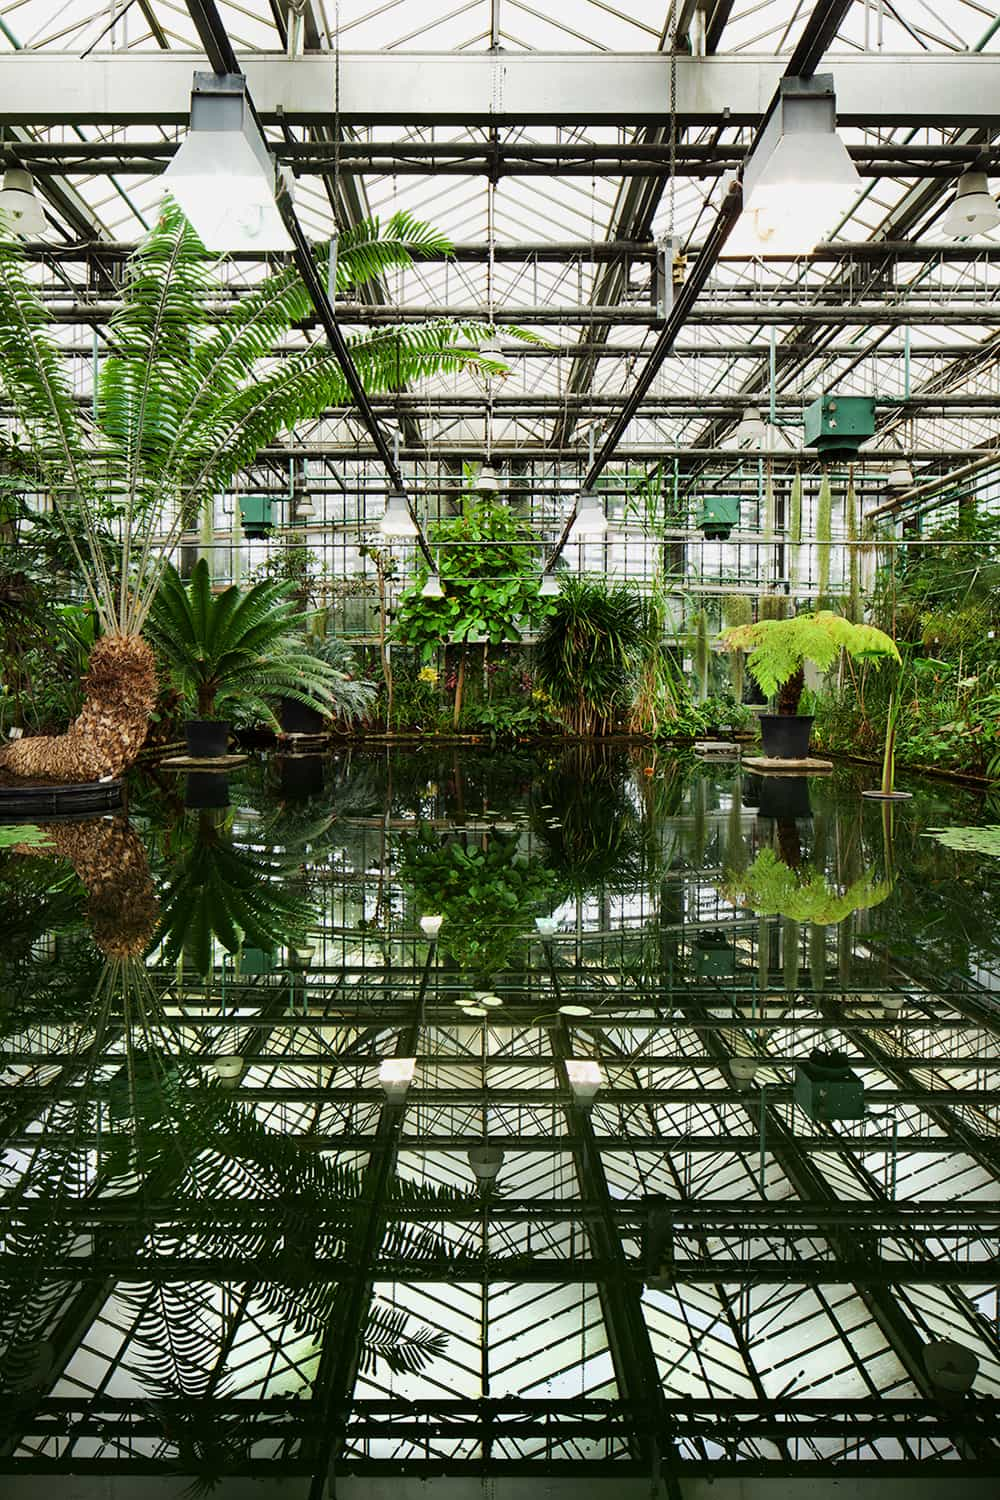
(395, 1074)
(485, 1162)
(585, 1078)
(546, 926)
(743, 1071)
(229, 1068)
(431, 926)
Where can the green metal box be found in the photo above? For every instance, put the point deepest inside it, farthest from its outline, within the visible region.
(826, 1089)
(257, 961)
(257, 515)
(719, 514)
(836, 426)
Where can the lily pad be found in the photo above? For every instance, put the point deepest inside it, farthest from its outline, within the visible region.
(985, 840)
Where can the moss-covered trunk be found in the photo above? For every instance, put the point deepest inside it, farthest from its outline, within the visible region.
(107, 735)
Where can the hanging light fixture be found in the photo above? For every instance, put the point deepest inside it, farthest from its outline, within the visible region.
(549, 586)
(590, 522)
(752, 429)
(485, 1162)
(431, 926)
(229, 1069)
(397, 520)
(973, 210)
(585, 1078)
(900, 476)
(432, 588)
(19, 204)
(799, 180)
(395, 1074)
(488, 481)
(222, 175)
(546, 926)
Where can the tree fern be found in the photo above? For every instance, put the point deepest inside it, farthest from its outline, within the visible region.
(778, 648)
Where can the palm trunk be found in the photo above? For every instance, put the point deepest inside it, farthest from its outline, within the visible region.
(110, 860)
(106, 737)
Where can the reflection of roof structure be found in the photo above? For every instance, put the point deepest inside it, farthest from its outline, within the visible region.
(691, 1276)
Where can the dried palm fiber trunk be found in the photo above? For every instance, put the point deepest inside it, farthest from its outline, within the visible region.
(110, 859)
(106, 737)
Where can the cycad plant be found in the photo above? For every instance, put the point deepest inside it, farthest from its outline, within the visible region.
(589, 652)
(244, 646)
(185, 401)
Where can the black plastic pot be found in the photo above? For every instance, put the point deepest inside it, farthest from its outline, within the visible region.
(206, 738)
(784, 798)
(786, 736)
(204, 790)
(299, 718)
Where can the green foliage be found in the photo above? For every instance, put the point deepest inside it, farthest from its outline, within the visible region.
(488, 894)
(985, 840)
(487, 560)
(186, 400)
(737, 609)
(26, 834)
(702, 654)
(244, 648)
(773, 606)
(769, 887)
(218, 892)
(824, 533)
(588, 653)
(778, 648)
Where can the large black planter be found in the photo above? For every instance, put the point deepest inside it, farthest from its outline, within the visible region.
(786, 736)
(784, 798)
(206, 738)
(301, 775)
(205, 790)
(299, 718)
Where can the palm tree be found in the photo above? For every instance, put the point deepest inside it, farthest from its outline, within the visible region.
(186, 400)
(245, 646)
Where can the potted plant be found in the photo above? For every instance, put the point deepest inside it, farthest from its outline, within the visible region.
(777, 653)
(239, 649)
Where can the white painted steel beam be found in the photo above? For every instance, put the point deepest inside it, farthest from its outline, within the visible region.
(556, 88)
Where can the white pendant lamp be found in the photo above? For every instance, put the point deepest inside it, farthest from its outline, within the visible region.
(973, 210)
(585, 1078)
(488, 481)
(752, 429)
(431, 926)
(229, 1069)
(549, 586)
(397, 520)
(546, 926)
(900, 476)
(799, 180)
(19, 205)
(432, 588)
(395, 1075)
(222, 175)
(591, 523)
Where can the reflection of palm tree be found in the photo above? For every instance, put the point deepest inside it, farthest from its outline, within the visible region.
(218, 891)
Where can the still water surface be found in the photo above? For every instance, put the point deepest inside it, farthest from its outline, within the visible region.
(229, 1237)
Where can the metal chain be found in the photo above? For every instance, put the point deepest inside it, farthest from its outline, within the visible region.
(672, 194)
